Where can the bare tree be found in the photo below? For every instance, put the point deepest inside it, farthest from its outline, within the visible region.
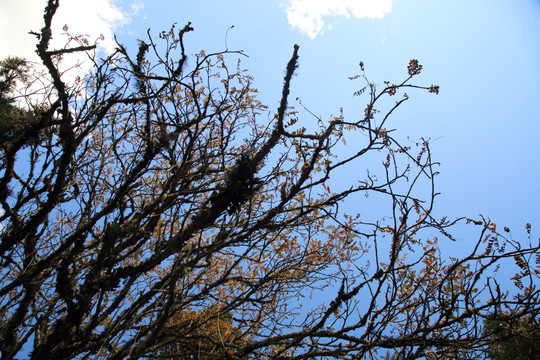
(167, 213)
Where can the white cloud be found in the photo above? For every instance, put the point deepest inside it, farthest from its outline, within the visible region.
(93, 18)
(307, 15)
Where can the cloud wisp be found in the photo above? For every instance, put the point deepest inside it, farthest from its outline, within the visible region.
(95, 20)
(308, 15)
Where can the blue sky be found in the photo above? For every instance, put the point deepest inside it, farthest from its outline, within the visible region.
(485, 55)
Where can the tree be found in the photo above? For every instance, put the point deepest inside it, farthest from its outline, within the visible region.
(514, 338)
(168, 209)
(14, 120)
(209, 335)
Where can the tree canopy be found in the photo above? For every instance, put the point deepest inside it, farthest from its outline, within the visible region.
(14, 119)
(165, 212)
(514, 338)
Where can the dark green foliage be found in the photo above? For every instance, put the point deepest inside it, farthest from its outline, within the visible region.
(11, 69)
(15, 120)
(515, 338)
